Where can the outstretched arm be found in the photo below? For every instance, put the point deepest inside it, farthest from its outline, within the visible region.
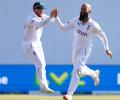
(39, 24)
(104, 40)
(46, 19)
(64, 27)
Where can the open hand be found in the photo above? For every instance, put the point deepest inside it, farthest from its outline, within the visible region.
(54, 13)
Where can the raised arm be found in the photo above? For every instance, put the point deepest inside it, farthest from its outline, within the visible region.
(35, 22)
(65, 27)
(46, 19)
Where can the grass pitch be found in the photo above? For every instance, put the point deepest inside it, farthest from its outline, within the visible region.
(78, 97)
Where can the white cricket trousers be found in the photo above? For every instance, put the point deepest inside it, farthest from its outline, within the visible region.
(79, 58)
(35, 53)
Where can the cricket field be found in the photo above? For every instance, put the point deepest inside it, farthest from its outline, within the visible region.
(39, 97)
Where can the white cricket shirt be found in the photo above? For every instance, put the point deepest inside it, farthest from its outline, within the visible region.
(84, 33)
(34, 26)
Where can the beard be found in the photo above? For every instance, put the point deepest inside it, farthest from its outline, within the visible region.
(84, 16)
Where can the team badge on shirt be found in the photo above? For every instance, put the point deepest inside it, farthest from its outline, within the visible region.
(88, 27)
(33, 21)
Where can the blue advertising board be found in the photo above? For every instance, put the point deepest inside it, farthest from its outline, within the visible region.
(17, 78)
(22, 78)
(60, 75)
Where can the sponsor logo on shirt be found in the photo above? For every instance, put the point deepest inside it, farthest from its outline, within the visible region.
(81, 33)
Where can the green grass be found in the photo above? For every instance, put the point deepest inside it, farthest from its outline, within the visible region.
(78, 97)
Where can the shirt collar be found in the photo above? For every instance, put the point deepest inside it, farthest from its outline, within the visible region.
(36, 15)
(90, 19)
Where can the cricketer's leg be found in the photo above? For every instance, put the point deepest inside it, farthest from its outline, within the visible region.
(79, 57)
(84, 69)
(36, 54)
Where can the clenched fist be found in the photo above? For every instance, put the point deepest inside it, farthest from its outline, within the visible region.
(109, 53)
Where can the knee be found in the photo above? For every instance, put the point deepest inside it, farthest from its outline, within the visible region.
(43, 63)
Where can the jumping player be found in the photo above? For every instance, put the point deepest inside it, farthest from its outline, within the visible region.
(85, 28)
(32, 45)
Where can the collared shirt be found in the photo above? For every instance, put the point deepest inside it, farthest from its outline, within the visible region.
(84, 33)
(34, 26)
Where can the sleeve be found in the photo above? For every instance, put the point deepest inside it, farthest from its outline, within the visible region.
(65, 27)
(39, 24)
(46, 16)
(99, 32)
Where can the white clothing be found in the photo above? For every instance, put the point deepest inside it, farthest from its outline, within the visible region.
(83, 36)
(33, 46)
(34, 26)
